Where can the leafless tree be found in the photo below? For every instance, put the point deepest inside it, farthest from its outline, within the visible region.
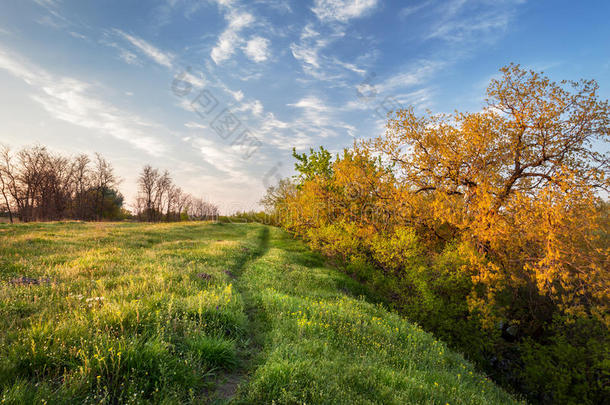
(160, 198)
(147, 183)
(39, 185)
(103, 180)
(82, 181)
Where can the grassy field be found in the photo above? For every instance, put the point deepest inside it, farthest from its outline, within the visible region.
(205, 313)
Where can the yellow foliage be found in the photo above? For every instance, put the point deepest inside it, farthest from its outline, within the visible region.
(520, 180)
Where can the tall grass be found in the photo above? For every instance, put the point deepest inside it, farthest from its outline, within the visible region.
(167, 313)
(324, 342)
(117, 312)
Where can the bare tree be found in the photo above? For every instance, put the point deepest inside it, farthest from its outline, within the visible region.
(30, 175)
(147, 183)
(5, 179)
(162, 189)
(82, 182)
(184, 203)
(203, 210)
(103, 179)
(36, 184)
(173, 196)
(160, 198)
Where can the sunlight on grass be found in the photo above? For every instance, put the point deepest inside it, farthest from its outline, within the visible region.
(132, 313)
(123, 313)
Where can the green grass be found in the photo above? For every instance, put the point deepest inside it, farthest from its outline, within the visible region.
(178, 313)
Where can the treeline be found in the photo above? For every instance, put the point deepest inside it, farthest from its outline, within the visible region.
(160, 199)
(489, 229)
(38, 185)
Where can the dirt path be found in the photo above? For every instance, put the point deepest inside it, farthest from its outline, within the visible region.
(230, 383)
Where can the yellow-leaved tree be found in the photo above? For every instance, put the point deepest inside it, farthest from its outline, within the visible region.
(489, 229)
(523, 180)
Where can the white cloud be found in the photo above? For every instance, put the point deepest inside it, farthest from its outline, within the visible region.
(129, 57)
(349, 66)
(310, 102)
(257, 49)
(237, 95)
(195, 125)
(460, 20)
(342, 10)
(256, 107)
(46, 3)
(309, 52)
(160, 57)
(415, 75)
(53, 18)
(225, 158)
(74, 101)
(412, 9)
(306, 54)
(229, 40)
(196, 79)
(77, 35)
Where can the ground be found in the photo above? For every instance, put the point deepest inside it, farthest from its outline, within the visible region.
(205, 313)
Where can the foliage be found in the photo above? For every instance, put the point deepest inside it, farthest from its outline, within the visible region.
(488, 227)
(317, 163)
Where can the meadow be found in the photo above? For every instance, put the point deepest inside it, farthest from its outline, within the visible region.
(205, 313)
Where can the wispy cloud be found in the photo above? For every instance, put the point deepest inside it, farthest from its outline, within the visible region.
(413, 9)
(342, 10)
(309, 102)
(254, 106)
(154, 53)
(308, 48)
(74, 101)
(53, 18)
(77, 35)
(230, 38)
(309, 51)
(47, 3)
(415, 74)
(464, 21)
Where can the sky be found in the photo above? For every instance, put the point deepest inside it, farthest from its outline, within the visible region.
(218, 92)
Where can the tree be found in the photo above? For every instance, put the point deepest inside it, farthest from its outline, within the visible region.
(6, 179)
(162, 191)
(276, 197)
(82, 173)
(514, 177)
(147, 183)
(159, 197)
(104, 179)
(487, 227)
(316, 163)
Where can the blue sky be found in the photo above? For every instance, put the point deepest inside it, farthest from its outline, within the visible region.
(219, 91)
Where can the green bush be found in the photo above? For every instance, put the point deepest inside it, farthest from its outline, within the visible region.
(397, 250)
(339, 241)
(566, 363)
(571, 367)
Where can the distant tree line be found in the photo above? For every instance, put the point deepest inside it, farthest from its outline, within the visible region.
(39, 185)
(159, 199)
